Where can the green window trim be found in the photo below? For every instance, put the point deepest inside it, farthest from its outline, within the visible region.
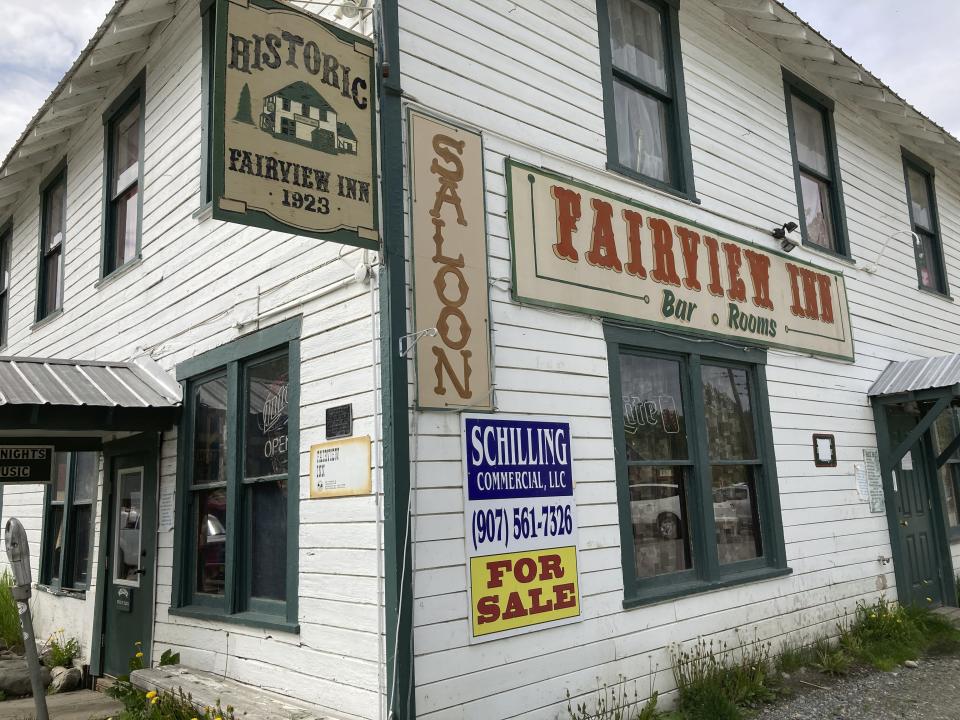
(793, 86)
(707, 572)
(927, 173)
(6, 248)
(69, 527)
(208, 18)
(57, 175)
(673, 97)
(132, 97)
(235, 605)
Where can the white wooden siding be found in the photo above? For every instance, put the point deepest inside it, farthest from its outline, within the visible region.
(529, 75)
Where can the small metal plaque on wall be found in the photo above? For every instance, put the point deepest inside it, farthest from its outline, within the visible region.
(339, 421)
(124, 599)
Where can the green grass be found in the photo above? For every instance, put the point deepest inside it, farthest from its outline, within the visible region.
(715, 682)
(10, 632)
(885, 634)
(614, 703)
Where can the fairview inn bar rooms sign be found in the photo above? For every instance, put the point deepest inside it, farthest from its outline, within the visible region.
(580, 247)
(293, 124)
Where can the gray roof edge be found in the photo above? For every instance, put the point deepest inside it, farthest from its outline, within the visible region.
(859, 65)
(68, 76)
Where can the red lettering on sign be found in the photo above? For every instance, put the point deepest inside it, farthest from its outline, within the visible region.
(603, 245)
(634, 225)
(568, 213)
(690, 247)
(664, 269)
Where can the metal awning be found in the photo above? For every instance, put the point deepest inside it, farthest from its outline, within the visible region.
(40, 396)
(908, 376)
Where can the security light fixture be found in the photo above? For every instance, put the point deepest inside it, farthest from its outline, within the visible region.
(780, 233)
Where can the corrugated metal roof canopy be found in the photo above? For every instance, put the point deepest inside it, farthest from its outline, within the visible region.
(912, 375)
(41, 394)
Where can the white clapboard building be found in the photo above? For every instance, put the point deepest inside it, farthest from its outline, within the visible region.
(649, 337)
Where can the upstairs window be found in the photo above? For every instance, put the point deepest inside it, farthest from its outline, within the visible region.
(124, 177)
(816, 167)
(644, 103)
(6, 244)
(922, 206)
(53, 227)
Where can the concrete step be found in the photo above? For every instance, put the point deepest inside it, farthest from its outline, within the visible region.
(80, 705)
(206, 689)
(951, 613)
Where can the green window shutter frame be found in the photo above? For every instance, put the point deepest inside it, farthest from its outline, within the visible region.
(707, 573)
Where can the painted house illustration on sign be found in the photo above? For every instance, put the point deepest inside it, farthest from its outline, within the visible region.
(298, 113)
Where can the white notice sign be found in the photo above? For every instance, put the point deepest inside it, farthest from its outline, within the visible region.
(166, 509)
(871, 462)
(340, 467)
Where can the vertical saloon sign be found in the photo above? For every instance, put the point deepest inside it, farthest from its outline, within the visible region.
(293, 124)
(580, 247)
(450, 266)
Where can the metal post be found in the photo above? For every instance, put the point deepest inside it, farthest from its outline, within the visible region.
(18, 553)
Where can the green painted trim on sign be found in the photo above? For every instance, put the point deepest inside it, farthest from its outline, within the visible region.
(258, 218)
(398, 568)
(510, 163)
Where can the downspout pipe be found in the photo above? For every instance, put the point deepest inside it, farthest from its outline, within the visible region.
(398, 608)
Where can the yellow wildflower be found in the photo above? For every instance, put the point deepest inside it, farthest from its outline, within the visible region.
(154, 701)
(152, 694)
(139, 654)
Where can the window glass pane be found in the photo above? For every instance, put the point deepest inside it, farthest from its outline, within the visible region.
(210, 432)
(735, 513)
(636, 40)
(58, 492)
(653, 419)
(265, 423)
(82, 517)
(129, 526)
(945, 429)
(85, 476)
(642, 132)
(125, 217)
(811, 136)
(658, 514)
(816, 211)
(54, 542)
(928, 261)
(947, 475)
(920, 199)
(268, 505)
(211, 521)
(126, 150)
(55, 210)
(51, 281)
(729, 416)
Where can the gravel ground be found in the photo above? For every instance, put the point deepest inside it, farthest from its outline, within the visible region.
(930, 692)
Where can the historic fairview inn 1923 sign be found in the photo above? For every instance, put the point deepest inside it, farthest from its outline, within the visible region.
(451, 299)
(583, 248)
(293, 124)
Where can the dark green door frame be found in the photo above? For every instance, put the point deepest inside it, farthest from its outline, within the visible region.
(149, 444)
(889, 458)
(393, 369)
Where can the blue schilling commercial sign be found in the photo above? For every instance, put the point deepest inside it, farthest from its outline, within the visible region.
(509, 458)
(520, 525)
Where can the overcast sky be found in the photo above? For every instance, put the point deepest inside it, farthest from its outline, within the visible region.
(910, 45)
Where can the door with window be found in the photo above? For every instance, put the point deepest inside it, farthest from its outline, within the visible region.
(913, 489)
(130, 555)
